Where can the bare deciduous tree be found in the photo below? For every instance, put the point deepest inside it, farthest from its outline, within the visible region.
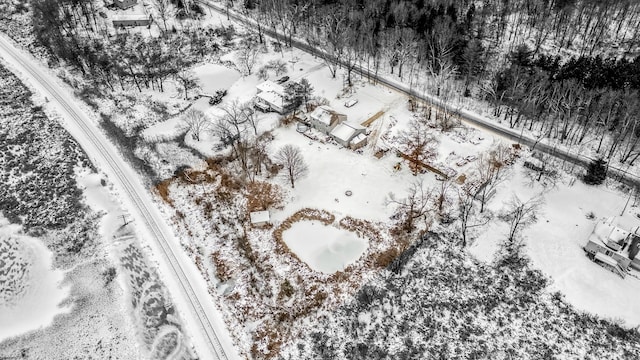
(417, 145)
(520, 214)
(250, 116)
(412, 207)
(490, 170)
(165, 11)
(290, 157)
(195, 121)
(466, 211)
(187, 81)
(247, 58)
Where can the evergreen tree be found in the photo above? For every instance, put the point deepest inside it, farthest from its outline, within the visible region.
(596, 172)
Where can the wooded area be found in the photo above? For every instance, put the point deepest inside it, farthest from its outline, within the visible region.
(563, 69)
(567, 70)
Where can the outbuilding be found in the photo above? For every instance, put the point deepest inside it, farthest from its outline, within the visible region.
(260, 218)
(345, 132)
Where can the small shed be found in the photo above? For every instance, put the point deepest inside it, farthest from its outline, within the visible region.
(260, 218)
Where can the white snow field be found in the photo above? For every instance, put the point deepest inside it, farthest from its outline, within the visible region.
(554, 244)
(324, 248)
(31, 291)
(204, 324)
(213, 77)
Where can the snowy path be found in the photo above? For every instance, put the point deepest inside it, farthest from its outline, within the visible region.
(469, 117)
(203, 321)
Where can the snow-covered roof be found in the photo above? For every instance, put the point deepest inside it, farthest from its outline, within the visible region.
(345, 131)
(605, 231)
(618, 234)
(323, 114)
(259, 216)
(358, 139)
(271, 98)
(270, 86)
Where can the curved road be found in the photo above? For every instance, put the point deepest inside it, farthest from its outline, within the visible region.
(466, 116)
(204, 324)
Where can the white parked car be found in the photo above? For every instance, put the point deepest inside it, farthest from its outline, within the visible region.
(351, 102)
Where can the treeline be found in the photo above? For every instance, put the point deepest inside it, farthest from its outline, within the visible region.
(509, 53)
(585, 100)
(73, 32)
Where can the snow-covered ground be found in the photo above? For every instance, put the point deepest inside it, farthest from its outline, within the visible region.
(554, 243)
(80, 123)
(32, 291)
(554, 246)
(324, 248)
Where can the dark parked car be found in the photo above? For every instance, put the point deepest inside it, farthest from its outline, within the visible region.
(282, 80)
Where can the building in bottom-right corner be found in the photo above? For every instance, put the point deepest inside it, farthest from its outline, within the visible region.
(614, 247)
(349, 134)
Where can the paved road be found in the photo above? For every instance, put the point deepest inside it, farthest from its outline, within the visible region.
(466, 116)
(206, 324)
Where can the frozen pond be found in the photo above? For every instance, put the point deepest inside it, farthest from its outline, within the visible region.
(30, 291)
(324, 248)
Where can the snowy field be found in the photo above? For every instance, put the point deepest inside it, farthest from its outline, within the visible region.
(554, 243)
(31, 291)
(324, 248)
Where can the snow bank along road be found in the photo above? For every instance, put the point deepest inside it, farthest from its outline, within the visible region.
(467, 116)
(204, 324)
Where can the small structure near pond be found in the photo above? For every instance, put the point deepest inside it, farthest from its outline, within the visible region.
(260, 218)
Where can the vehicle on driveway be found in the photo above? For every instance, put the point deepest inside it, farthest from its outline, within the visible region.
(282, 80)
(351, 102)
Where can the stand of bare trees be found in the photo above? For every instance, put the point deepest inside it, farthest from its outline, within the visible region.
(415, 206)
(292, 162)
(196, 122)
(520, 214)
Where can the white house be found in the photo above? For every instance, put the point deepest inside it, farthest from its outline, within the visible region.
(614, 247)
(271, 97)
(346, 131)
(324, 119)
(260, 218)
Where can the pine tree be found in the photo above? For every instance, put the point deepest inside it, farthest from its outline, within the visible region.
(596, 172)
